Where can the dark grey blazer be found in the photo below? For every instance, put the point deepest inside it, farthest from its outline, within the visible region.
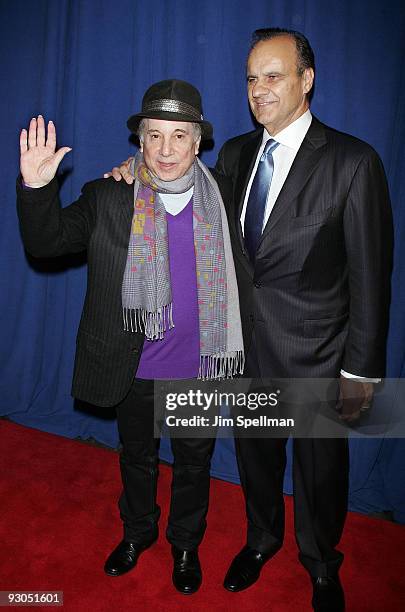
(99, 221)
(318, 295)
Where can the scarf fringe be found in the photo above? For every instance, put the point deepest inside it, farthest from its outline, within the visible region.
(152, 324)
(225, 365)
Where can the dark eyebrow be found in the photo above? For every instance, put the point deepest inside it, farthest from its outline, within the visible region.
(269, 73)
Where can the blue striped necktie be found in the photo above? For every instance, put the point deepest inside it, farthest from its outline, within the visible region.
(256, 204)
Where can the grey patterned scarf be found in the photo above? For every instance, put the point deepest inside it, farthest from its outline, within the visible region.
(146, 288)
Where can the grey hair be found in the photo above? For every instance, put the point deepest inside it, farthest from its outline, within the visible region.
(142, 127)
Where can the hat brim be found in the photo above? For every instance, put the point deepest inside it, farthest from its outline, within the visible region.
(134, 121)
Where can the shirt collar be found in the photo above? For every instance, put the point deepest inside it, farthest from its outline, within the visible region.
(293, 135)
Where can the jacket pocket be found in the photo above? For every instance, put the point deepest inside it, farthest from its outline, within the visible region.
(313, 219)
(92, 343)
(326, 327)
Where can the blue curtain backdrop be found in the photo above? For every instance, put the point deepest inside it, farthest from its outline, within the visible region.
(85, 64)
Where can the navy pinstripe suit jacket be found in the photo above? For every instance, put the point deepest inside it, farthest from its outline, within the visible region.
(318, 294)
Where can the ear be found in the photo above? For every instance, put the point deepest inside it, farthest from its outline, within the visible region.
(197, 145)
(308, 80)
(141, 146)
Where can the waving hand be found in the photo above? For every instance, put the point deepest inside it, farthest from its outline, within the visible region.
(39, 161)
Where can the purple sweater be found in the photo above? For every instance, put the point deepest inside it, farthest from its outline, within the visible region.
(177, 355)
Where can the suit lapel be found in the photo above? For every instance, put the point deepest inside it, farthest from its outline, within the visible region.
(124, 221)
(127, 204)
(246, 162)
(305, 162)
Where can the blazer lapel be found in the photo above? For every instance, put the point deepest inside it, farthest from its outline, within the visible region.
(127, 204)
(305, 162)
(246, 163)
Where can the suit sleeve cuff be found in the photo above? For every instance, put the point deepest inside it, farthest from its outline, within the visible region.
(39, 193)
(360, 378)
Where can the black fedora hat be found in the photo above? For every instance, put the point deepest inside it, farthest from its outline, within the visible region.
(172, 100)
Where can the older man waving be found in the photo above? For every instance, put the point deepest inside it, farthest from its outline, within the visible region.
(145, 315)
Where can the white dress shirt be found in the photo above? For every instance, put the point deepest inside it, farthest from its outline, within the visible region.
(290, 140)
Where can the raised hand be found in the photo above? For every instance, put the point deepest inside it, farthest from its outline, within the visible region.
(122, 172)
(39, 161)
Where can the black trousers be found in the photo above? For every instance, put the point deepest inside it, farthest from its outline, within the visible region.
(320, 480)
(139, 471)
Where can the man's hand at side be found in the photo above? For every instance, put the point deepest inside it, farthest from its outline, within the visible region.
(122, 172)
(39, 161)
(355, 396)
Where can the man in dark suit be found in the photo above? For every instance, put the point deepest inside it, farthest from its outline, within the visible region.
(312, 236)
(145, 315)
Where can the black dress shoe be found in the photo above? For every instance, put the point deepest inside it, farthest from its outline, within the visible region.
(187, 575)
(125, 556)
(245, 569)
(328, 595)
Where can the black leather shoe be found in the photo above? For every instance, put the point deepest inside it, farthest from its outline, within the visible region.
(186, 575)
(328, 595)
(125, 556)
(245, 569)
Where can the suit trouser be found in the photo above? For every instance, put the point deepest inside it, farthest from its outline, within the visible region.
(320, 477)
(320, 480)
(139, 471)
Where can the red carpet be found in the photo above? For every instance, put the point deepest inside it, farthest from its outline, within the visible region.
(59, 520)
